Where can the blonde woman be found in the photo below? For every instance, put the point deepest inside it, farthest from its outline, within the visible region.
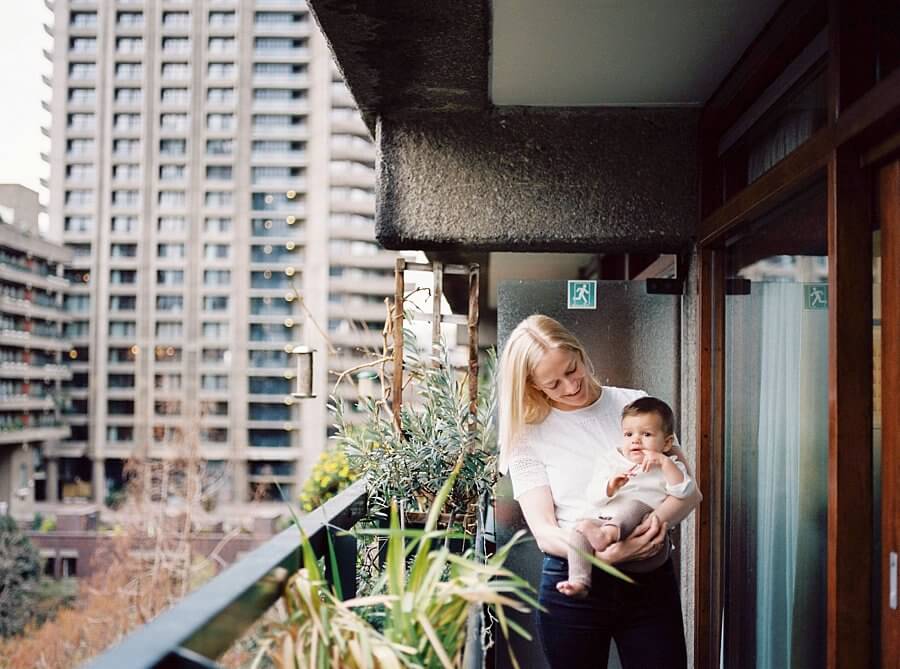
(556, 420)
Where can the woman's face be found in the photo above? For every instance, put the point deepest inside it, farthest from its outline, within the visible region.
(561, 376)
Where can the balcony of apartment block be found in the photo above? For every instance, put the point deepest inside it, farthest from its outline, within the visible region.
(13, 435)
(129, 27)
(359, 177)
(24, 339)
(297, 54)
(285, 105)
(351, 307)
(14, 273)
(298, 27)
(30, 309)
(356, 149)
(349, 122)
(298, 131)
(28, 371)
(352, 204)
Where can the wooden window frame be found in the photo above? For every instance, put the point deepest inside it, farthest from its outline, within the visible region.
(862, 121)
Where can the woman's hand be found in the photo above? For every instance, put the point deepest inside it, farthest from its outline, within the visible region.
(646, 541)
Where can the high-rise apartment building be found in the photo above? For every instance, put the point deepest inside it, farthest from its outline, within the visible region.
(214, 183)
(32, 351)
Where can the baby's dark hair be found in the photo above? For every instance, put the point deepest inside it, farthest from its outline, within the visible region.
(646, 405)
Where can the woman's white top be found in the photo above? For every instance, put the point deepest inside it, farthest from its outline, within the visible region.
(649, 488)
(565, 450)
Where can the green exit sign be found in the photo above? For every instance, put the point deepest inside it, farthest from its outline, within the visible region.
(582, 295)
(815, 296)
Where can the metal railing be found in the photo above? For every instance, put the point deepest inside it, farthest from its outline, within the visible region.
(207, 622)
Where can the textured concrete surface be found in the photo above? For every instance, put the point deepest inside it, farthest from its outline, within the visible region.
(526, 179)
(409, 55)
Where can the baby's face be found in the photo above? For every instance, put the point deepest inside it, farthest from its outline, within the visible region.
(643, 432)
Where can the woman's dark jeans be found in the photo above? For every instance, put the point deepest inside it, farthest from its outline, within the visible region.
(644, 619)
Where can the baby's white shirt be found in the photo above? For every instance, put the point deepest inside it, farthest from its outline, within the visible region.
(565, 449)
(650, 487)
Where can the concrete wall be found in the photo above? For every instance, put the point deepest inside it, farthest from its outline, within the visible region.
(519, 179)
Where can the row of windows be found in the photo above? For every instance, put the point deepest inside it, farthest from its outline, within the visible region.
(260, 227)
(175, 20)
(178, 199)
(182, 45)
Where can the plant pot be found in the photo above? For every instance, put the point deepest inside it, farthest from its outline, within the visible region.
(415, 520)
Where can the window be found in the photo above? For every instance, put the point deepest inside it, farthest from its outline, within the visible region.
(220, 121)
(170, 251)
(167, 353)
(175, 96)
(129, 45)
(271, 173)
(219, 147)
(169, 277)
(82, 70)
(268, 253)
(121, 354)
(167, 408)
(268, 306)
(120, 407)
(127, 122)
(268, 227)
(124, 223)
(270, 146)
(221, 44)
(215, 303)
(279, 19)
(83, 19)
(279, 412)
(130, 19)
(216, 251)
(176, 45)
(221, 19)
(126, 172)
(79, 250)
(126, 198)
(218, 172)
(268, 279)
(122, 302)
(128, 96)
(170, 303)
(121, 277)
(218, 198)
(171, 172)
(129, 70)
(268, 385)
(268, 438)
(167, 381)
(75, 330)
(126, 147)
(269, 359)
(80, 171)
(274, 201)
(123, 250)
(79, 198)
(78, 224)
(76, 303)
(79, 147)
(119, 433)
(173, 147)
(270, 45)
(215, 331)
(176, 71)
(270, 332)
(176, 20)
(169, 330)
(276, 95)
(264, 121)
(220, 96)
(213, 382)
(172, 198)
(217, 225)
(122, 329)
(215, 356)
(83, 45)
(81, 121)
(172, 224)
(216, 277)
(213, 408)
(173, 121)
(221, 71)
(82, 96)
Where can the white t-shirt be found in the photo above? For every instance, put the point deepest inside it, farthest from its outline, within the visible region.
(563, 451)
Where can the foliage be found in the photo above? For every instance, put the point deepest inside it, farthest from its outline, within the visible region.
(330, 475)
(411, 464)
(427, 597)
(20, 573)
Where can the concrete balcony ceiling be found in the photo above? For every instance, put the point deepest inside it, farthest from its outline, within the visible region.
(527, 125)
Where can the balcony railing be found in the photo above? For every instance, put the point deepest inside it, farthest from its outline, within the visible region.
(208, 621)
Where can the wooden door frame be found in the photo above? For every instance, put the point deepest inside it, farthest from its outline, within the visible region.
(862, 114)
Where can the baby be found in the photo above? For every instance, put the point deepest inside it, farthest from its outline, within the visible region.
(625, 489)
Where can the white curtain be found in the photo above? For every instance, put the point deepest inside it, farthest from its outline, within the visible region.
(792, 441)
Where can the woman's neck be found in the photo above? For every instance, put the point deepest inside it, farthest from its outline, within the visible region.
(593, 394)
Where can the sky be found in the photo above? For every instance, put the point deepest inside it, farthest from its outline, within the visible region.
(22, 62)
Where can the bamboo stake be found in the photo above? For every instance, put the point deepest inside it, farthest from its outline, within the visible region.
(397, 381)
(473, 349)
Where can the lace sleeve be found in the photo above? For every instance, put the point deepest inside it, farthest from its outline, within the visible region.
(526, 470)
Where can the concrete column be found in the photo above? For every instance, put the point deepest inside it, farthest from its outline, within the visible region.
(52, 481)
(98, 481)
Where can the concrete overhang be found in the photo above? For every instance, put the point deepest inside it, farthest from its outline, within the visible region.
(578, 163)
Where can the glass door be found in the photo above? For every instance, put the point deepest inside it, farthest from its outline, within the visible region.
(776, 439)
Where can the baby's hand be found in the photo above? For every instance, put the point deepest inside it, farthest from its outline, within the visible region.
(616, 483)
(651, 459)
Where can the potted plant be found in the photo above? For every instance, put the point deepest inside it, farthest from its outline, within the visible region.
(423, 600)
(409, 464)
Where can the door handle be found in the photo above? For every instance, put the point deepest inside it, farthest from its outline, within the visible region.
(892, 593)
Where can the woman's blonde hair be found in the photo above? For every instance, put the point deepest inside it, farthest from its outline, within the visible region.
(521, 402)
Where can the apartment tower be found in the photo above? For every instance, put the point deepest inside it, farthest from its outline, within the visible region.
(214, 182)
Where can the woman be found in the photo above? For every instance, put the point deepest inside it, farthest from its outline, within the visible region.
(555, 421)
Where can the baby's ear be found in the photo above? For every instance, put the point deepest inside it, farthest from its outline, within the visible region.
(670, 442)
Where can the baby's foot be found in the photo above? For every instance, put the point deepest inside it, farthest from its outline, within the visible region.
(575, 589)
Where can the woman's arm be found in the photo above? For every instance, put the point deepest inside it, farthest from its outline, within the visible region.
(540, 514)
